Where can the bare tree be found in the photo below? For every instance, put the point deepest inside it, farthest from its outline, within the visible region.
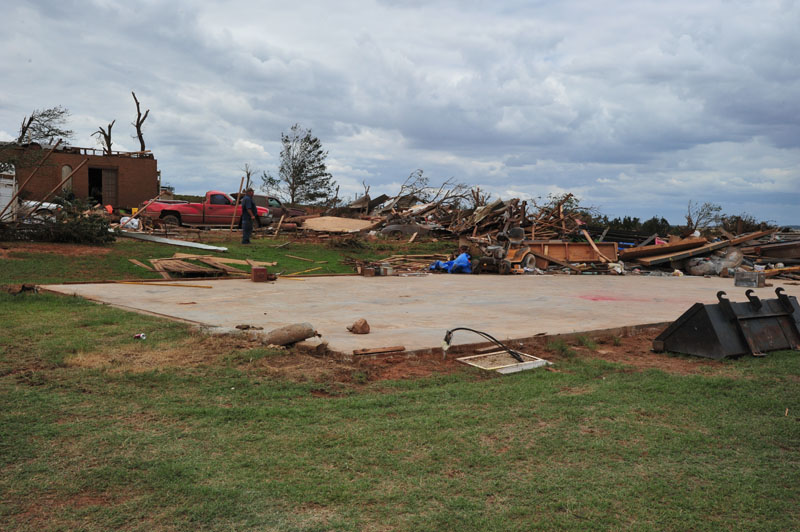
(449, 192)
(106, 134)
(248, 174)
(140, 118)
(479, 197)
(417, 184)
(700, 217)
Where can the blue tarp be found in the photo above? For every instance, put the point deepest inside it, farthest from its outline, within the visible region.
(460, 265)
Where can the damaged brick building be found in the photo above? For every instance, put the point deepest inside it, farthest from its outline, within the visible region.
(120, 179)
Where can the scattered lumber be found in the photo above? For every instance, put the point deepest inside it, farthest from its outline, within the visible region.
(182, 285)
(548, 259)
(680, 255)
(661, 249)
(141, 265)
(299, 258)
(780, 271)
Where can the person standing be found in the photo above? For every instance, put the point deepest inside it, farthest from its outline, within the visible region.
(248, 207)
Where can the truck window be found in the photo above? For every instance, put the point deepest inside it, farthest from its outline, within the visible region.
(274, 203)
(219, 199)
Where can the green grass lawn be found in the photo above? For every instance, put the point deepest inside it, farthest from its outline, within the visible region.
(222, 446)
(57, 263)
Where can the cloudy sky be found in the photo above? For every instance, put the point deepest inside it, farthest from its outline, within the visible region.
(636, 107)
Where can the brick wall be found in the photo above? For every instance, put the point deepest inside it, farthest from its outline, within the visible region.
(136, 177)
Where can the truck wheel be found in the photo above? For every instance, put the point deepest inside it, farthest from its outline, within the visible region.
(170, 219)
(528, 261)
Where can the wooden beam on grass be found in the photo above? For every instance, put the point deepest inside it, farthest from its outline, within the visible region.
(304, 271)
(141, 264)
(182, 285)
(299, 258)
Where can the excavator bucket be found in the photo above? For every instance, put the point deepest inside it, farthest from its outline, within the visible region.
(727, 329)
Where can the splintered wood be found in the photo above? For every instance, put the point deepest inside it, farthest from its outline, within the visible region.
(411, 263)
(178, 266)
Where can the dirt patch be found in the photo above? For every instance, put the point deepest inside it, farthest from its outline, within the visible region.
(633, 350)
(192, 352)
(9, 249)
(49, 510)
(250, 355)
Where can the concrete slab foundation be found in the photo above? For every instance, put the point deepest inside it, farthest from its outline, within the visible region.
(416, 311)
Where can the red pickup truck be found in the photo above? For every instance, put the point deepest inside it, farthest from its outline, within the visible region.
(216, 209)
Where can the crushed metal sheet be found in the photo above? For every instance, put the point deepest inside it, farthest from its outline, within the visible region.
(170, 241)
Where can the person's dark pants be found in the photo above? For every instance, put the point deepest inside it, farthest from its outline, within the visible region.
(247, 230)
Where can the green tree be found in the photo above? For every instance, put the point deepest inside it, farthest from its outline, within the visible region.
(303, 176)
(656, 225)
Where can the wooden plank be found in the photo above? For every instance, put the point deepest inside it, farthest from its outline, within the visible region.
(140, 211)
(304, 271)
(177, 265)
(680, 255)
(379, 350)
(182, 285)
(278, 230)
(160, 269)
(236, 207)
(646, 241)
(300, 258)
(545, 256)
(594, 246)
(211, 261)
(413, 237)
(661, 249)
(751, 236)
(783, 250)
(778, 271)
(141, 264)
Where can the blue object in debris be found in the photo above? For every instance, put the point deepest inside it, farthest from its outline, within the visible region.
(460, 265)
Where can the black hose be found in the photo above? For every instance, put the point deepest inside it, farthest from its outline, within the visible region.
(516, 354)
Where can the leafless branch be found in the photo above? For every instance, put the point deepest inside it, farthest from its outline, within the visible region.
(106, 134)
(139, 121)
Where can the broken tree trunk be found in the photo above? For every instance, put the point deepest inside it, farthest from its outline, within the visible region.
(290, 334)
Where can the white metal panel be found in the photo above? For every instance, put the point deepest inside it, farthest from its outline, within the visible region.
(8, 187)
